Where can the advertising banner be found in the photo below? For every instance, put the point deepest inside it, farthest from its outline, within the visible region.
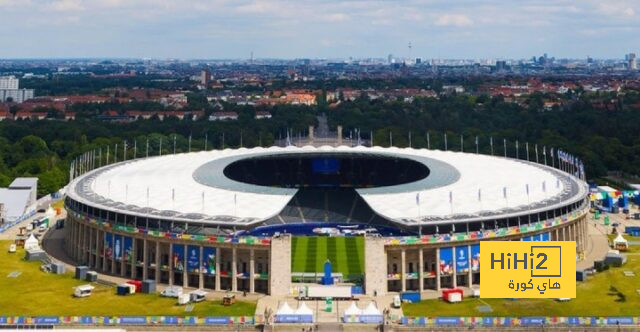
(193, 259)
(178, 257)
(117, 247)
(475, 257)
(128, 248)
(209, 260)
(108, 245)
(446, 260)
(462, 259)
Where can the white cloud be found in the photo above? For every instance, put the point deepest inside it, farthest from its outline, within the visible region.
(66, 5)
(457, 20)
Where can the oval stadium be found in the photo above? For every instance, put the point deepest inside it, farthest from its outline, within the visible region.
(260, 219)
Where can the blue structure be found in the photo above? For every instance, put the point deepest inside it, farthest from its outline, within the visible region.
(632, 230)
(637, 199)
(327, 279)
(623, 202)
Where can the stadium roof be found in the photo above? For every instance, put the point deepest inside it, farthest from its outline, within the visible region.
(460, 187)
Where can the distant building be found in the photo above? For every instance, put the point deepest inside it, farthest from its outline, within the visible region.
(9, 83)
(221, 116)
(633, 64)
(501, 65)
(262, 115)
(205, 77)
(18, 199)
(9, 90)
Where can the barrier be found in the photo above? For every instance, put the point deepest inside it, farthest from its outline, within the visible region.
(129, 320)
(520, 321)
(259, 320)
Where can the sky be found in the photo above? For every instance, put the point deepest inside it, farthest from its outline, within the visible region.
(223, 29)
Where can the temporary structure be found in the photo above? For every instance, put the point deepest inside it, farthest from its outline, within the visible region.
(285, 309)
(303, 309)
(31, 243)
(619, 243)
(353, 310)
(305, 315)
(371, 310)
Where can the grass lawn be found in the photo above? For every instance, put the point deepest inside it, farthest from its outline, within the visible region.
(345, 253)
(608, 293)
(36, 293)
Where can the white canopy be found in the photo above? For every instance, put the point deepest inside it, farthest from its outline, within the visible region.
(353, 310)
(51, 212)
(285, 309)
(304, 310)
(371, 310)
(31, 243)
(619, 239)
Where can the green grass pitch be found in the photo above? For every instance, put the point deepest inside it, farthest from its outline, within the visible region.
(345, 253)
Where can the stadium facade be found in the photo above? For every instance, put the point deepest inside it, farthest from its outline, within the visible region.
(223, 219)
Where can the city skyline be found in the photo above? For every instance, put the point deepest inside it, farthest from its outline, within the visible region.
(285, 29)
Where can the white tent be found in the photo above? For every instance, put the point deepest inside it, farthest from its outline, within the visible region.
(353, 310)
(285, 309)
(620, 242)
(51, 212)
(31, 243)
(304, 310)
(371, 310)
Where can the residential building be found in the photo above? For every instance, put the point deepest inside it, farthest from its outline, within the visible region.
(221, 116)
(9, 90)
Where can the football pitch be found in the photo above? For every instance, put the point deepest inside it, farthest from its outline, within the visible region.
(308, 254)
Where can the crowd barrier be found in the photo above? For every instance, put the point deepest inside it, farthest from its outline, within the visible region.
(519, 321)
(130, 320)
(22, 218)
(260, 320)
(486, 234)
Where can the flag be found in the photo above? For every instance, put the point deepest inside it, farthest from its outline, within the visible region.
(527, 187)
(479, 195)
(450, 197)
(235, 198)
(544, 186)
(504, 192)
(417, 198)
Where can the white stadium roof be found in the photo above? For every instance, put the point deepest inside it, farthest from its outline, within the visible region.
(176, 187)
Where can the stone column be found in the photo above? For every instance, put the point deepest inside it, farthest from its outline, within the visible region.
(470, 274)
(200, 272)
(421, 269)
(217, 271)
(403, 270)
(113, 254)
(375, 266)
(252, 281)
(123, 265)
(280, 266)
(234, 268)
(96, 262)
(185, 273)
(170, 264)
(145, 259)
(90, 249)
(134, 258)
(339, 135)
(156, 272)
(455, 268)
(438, 269)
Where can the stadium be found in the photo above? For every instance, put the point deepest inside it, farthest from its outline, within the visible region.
(255, 219)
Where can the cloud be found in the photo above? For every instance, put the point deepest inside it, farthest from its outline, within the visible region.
(66, 5)
(456, 20)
